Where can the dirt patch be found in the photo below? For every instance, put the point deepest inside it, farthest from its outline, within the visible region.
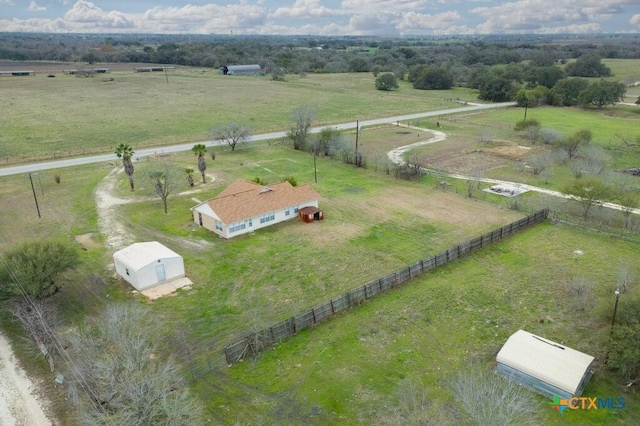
(510, 152)
(467, 163)
(87, 241)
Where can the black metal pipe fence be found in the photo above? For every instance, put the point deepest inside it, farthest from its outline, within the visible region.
(254, 342)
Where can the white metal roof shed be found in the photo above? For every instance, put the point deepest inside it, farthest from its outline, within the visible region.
(543, 365)
(148, 263)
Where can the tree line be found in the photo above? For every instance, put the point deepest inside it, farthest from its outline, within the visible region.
(312, 54)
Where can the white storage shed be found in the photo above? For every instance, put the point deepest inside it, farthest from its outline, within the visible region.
(144, 265)
(546, 367)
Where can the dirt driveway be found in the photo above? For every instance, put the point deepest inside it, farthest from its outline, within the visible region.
(19, 403)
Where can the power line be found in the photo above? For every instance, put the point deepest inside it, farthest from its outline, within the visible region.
(56, 343)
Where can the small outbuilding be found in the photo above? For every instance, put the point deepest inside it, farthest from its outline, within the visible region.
(544, 366)
(309, 214)
(252, 69)
(144, 265)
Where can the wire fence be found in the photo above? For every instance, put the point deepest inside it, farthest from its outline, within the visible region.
(254, 342)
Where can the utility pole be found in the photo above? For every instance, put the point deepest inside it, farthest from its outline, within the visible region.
(34, 195)
(357, 134)
(315, 168)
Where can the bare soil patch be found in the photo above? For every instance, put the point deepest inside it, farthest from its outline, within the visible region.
(466, 163)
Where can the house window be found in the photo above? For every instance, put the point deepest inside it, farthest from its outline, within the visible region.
(295, 209)
(268, 217)
(219, 225)
(250, 223)
(127, 271)
(287, 212)
(238, 226)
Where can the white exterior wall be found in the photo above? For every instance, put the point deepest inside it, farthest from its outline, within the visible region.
(145, 275)
(280, 216)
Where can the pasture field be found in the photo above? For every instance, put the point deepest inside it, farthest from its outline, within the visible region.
(66, 115)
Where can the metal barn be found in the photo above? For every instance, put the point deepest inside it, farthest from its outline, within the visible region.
(544, 366)
(144, 265)
(253, 69)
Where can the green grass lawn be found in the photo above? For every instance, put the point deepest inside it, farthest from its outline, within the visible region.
(348, 371)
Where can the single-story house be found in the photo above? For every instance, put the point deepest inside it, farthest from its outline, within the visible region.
(144, 265)
(253, 69)
(544, 366)
(246, 206)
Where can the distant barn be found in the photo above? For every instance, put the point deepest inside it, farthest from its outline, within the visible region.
(17, 73)
(153, 69)
(253, 69)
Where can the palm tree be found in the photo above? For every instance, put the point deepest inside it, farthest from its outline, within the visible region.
(200, 150)
(189, 172)
(125, 152)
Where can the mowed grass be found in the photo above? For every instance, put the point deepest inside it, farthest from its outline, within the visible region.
(349, 370)
(63, 116)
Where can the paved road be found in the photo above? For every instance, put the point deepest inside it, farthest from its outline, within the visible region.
(34, 167)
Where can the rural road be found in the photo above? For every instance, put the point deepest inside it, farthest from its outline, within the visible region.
(34, 167)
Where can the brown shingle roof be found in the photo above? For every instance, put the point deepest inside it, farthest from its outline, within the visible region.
(243, 199)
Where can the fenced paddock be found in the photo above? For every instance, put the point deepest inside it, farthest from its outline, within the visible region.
(254, 342)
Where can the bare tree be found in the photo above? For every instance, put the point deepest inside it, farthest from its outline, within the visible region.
(625, 278)
(550, 136)
(164, 180)
(232, 133)
(580, 292)
(124, 375)
(38, 318)
(414, 408)
(570, 145)
(488, 399)
(587, 193)
(486, 138)
(629, 200)
(595, 160)
(302, 118)
(539, 162)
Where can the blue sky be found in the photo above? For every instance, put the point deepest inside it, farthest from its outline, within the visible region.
(330, 17)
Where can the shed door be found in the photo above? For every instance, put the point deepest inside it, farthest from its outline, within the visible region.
(160, 272)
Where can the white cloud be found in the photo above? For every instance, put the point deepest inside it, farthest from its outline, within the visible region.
(635, 20)
(86, 15)
(384, 6)
(208, 18)
(28, 25)
(34, 7)
(420, 21)
(547, 15)
(304, 9)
